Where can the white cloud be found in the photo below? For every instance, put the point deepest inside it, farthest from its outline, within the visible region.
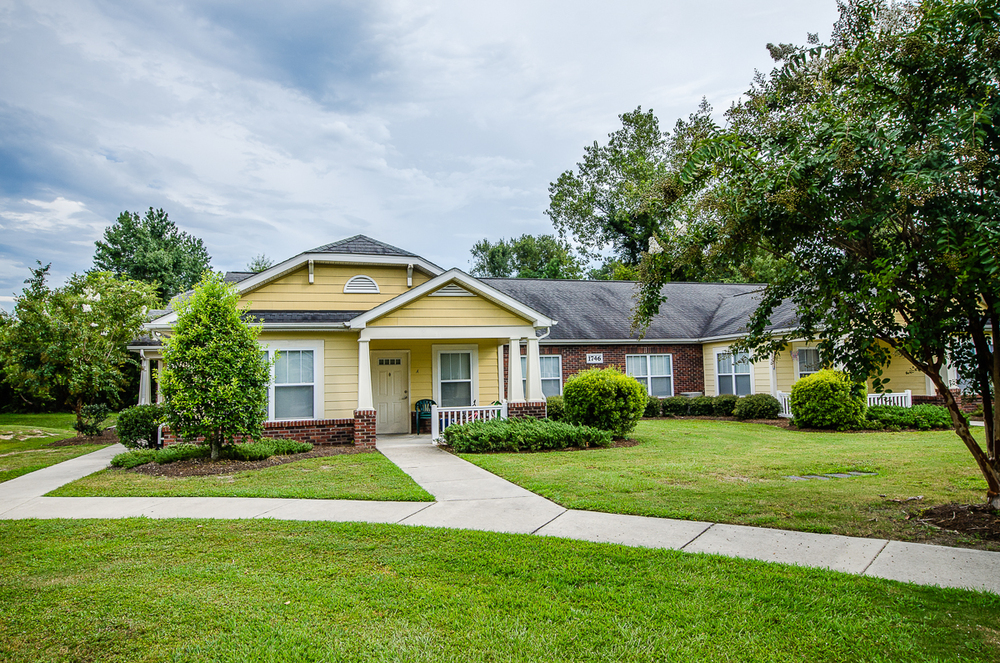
(58, 215)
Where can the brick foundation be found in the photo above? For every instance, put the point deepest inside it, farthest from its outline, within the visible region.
(968, 403)
(314, 431)
(536, 409)
(364, 429)
(688, 362)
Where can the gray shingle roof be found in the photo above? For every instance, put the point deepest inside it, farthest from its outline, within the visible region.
(363, 245)
(602, 310)
(236, 277)
(273, 317)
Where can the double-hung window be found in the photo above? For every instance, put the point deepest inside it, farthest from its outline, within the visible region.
(295, 392)
(655, 372)
(808, 361)
(456, 378)
(550, 367)
(733, 373)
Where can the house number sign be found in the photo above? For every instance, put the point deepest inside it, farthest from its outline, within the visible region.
(595, 357)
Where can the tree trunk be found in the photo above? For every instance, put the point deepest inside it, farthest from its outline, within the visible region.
(216, 447)
(78, 409)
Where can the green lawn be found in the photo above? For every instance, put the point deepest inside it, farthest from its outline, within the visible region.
(369, 476)
(186, 590)
(24, 439)
(731, 472)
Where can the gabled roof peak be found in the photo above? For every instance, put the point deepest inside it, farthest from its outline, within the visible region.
(362, 245)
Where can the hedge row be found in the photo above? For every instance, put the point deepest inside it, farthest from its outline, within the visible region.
(522, 435)
(258, 450)
(757, 406)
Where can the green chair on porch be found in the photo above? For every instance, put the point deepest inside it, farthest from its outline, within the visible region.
(423, 410)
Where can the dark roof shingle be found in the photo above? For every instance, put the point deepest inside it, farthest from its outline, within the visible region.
(362, 245)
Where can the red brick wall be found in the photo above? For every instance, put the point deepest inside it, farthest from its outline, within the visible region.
(536, 409)
(968, 403)
(689, 367)
(314, 431)
(364, 429)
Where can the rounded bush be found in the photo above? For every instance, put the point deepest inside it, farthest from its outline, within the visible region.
(554, 408)
(723, 406)
(757, 406)
(91, 420)
(675, 406)
(652, 407)
(828, 399)
(137, 426)
(604, 398)
(702, 406)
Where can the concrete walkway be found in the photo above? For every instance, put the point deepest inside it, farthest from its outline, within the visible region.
(469, 497)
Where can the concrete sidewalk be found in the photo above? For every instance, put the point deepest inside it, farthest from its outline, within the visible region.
(469, 497)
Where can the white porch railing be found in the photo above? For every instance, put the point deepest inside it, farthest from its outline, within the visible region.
(902, 399)
(786, 405)
(442, 417)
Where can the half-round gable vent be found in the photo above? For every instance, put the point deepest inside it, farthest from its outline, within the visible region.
(361, 284)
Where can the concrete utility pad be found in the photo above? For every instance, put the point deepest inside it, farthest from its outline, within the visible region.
(840, 553)
(938, 565)
(518, 515)
(626, 530)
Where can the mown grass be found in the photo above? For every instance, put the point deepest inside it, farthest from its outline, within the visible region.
(731, 472)
(369, 476)
(26, 449)
(137, 590)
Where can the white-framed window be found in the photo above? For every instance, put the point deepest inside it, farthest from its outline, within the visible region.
(296, 389)
(808, 362)
(733, 372)
(655, 372)
(550, 367)
(456, 375)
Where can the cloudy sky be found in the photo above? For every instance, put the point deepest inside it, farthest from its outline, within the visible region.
(267, 127)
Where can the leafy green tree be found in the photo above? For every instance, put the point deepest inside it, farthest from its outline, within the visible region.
(67, 346)
(152, 249)
(259, 263)
(214, 378)
(542, 257)
(873, 164)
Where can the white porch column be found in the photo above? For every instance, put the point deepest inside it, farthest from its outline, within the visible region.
(514, 385)
(144, 382)
(502, 396)
(534, 371)
(364, 376)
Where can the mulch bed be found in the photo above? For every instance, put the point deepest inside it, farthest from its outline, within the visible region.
(200, 467)
(109, 436)
(973, 519)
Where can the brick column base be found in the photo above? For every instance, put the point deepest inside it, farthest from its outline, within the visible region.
(533, 409)
(364, 429)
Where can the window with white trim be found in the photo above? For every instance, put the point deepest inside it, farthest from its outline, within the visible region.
(733, 373)
(455, 378)
(550, 368)
(808, 361)
(295, 391)
(654, 372)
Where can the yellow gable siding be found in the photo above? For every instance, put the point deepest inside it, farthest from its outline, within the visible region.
(449, 312)
(293, 292)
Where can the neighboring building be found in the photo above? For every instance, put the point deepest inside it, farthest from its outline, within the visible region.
(364, 330)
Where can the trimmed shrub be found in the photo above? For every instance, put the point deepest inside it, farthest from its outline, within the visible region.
(555, 408)
(131, 459)
(652, 407)
(921, 417)
(90, 419)
(522, 435)
(757, 406)
(723, 406)
(287, 447)
(828, 399)
(248, 451)
(702, 406)
(177, 452)
(137, 426)
(604, 398)
(675, 406)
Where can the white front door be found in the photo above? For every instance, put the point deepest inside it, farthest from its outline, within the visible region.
(389, 390)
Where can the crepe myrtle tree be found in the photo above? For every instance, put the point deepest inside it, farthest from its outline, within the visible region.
(66, 346)
(215, 377)
(873, 165)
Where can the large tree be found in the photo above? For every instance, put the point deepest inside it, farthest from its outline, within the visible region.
(153, 249)
(542, 257)
(67, 346)
(874, 165)
(214, 377)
